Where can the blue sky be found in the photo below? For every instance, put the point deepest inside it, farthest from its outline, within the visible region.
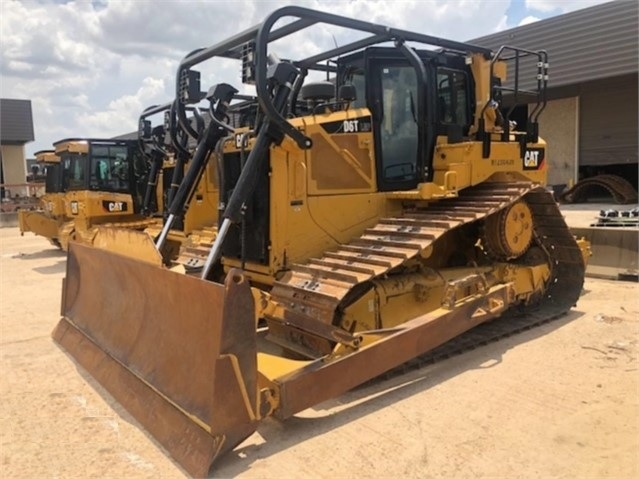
(90, 68)
(517, 11)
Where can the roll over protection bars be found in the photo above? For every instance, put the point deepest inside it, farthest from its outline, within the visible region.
(263, 34)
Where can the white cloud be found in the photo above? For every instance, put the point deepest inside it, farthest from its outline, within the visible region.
(563, 6)
(122, 114)
(90, 68)
(528, 20)
(19, 66)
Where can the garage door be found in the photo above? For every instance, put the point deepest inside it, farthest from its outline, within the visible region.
(608, 122)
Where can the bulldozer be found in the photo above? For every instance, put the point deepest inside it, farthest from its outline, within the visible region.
(181, 189)
(183, 177)
(153, 147)
(366, 219)
(50, 217)
(102, 180)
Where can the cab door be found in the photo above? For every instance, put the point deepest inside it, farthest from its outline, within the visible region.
(392, 93)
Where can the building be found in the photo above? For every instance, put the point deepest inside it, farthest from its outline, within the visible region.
(16, 129)
(590, 121)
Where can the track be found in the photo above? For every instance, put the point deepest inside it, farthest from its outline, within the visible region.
(315, 290)
(619, 188)
(565, 285)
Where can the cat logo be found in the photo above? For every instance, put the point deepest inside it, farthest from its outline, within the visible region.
(74, 207)
(533, 158)
(115, 206)
(241, 140)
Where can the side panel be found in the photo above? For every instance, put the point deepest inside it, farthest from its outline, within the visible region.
(202, 210)
(505, 158)
(96, 207)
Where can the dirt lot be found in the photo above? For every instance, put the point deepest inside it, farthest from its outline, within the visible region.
(561, 400)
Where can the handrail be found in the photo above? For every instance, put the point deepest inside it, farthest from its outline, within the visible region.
(541, 78)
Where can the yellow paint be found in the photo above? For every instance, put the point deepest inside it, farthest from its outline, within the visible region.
(71, 146)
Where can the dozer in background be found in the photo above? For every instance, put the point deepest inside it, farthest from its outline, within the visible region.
(184, 181)
(182, 186)
(155, 151)
(51, 216)
(365, 221)
(192, 215)
(103, 182)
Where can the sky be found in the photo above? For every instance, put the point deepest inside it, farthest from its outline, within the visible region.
(91, 67)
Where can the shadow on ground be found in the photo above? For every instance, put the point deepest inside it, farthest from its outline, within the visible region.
(55, 268)
(44, 254)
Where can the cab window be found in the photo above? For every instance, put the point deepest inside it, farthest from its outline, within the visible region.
(74, 174)
(452, 101)
(109, 168)
(399, 123)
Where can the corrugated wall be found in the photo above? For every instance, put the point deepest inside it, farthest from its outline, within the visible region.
(589, 44)
(16, 121)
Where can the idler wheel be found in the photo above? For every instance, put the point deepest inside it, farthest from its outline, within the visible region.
(509, 232)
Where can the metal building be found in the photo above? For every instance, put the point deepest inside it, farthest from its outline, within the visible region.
(590, 122)
(16, 129)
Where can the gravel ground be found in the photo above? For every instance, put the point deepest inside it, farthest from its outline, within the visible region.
(559, 401)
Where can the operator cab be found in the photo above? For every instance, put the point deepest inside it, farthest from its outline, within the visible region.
(407, 118)
(52, 170)
(53, 178)
(100, 165)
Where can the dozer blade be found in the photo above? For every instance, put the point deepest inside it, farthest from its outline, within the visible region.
(615, 252)
(37, 223)
(131, 243)
(177, 352)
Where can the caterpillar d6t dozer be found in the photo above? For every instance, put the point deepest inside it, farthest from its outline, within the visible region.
(364, 221)
(50, 218)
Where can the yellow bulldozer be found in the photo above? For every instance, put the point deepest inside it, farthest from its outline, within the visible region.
(367, 218)
(50, 217)
(181, 191)
(103, 181)
(182, 184)
(183, 181)
(89, 182)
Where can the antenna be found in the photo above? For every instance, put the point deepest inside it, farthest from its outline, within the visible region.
(328, 61)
